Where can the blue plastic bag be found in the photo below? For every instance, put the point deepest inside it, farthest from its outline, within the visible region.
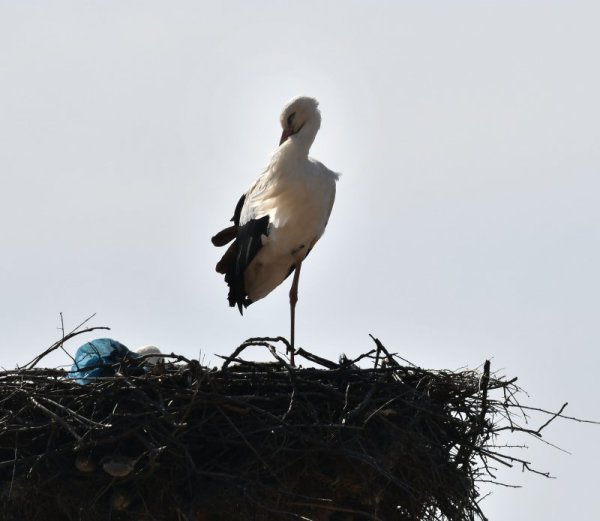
(98, 358)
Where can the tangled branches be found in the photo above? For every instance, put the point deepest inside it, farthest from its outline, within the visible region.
(254, 441)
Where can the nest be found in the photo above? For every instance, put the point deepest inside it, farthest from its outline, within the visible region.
(253, 441)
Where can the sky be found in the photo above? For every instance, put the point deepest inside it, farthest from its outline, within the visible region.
(467, 219)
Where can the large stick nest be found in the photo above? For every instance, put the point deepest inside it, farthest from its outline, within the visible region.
(253, 441)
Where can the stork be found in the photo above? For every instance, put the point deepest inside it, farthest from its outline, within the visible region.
(280, 218)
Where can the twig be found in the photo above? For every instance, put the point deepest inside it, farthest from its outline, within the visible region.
(58, 344)
(55, 417)
(316, 359)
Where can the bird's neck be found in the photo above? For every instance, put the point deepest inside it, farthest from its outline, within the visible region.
(301, 142)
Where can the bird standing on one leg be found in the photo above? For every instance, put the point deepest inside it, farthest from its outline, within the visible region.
(280, 218)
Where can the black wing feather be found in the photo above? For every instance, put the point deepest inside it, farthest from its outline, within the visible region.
(238, 210)
(236, 259)
(247, 244)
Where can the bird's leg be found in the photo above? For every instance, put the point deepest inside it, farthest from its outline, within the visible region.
(293, 300)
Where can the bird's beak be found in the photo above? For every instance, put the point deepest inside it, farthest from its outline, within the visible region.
(285, 134)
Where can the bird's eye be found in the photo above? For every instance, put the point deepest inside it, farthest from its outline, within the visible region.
(290, 119)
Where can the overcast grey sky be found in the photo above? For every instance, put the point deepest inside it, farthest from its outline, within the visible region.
(467, 219)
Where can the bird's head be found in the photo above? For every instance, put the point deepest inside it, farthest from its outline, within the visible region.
(299, 113)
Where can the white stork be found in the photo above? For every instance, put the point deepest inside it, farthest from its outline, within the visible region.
(280, 218)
